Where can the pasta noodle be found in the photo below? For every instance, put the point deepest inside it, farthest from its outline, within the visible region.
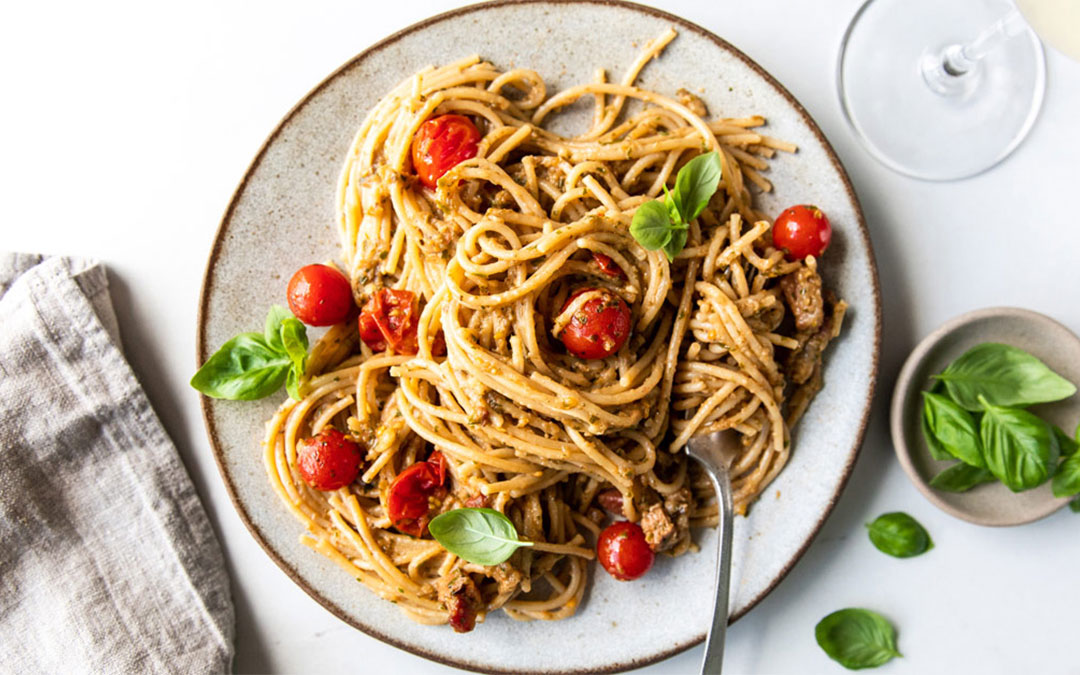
(493, 256)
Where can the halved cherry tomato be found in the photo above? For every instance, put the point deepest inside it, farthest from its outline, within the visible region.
(328, 460)
(440, 144)
(802, 231)
(598, 328)
(623, 551)
(389, 317)
(319, 295)
(608, 266)
(409, 500)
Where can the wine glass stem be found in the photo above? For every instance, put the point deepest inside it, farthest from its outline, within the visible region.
(952, 70)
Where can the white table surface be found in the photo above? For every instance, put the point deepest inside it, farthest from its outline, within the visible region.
(125, 128)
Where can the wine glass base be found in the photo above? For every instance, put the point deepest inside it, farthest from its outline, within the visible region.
(913, 129)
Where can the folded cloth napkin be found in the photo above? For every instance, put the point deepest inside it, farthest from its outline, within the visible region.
(108, 563)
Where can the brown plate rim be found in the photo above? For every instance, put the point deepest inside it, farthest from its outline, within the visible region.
(201, 346)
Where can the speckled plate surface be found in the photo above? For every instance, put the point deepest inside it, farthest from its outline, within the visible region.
(282, 216)
(991, 504)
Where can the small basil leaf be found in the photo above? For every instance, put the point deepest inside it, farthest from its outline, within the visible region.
(857, 638)
(1004, 376)
(294, 341)
(676, 243)
(671, 203)
(272, 332)
(936, 450)
(1020, 449)
(244, 369)
(1067, 479)
(1068, 445)
(961, 477)
(955, 429)
(899, 535)
(651, 226)
(696, 183)
(1074, 505)
(480, 536)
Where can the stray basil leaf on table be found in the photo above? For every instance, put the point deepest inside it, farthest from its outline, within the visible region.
(857, 638)
(899, 535)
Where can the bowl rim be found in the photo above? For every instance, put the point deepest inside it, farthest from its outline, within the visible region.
(905, 382)
(202, 350)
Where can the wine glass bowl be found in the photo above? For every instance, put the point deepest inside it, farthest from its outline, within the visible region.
(940, 90)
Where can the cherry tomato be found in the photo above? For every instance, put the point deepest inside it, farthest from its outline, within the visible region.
(328, 460)
(440, 144)
(608, 266)
(623, 552)
(611, 500)
(598, 328)
(389, 317)
(319, 295)
(802, 231)
(409, 500)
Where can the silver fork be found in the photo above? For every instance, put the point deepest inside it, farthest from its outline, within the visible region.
(716, 452)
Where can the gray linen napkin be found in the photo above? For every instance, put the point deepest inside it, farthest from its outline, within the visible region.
(107, 560)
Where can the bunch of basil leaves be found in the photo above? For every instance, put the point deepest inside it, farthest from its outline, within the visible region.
(976, 413)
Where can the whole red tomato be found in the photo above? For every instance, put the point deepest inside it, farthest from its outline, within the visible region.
(319, 295)
(328, 460)
(802, 231)
(440, 144)
(599, 328)
(623, 551)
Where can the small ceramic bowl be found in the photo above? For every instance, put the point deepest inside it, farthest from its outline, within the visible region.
(990, 504)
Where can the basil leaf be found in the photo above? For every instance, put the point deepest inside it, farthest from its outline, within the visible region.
(295, 343)
(1067, 478)
(899, 535)
(961, 477)
(857, 638)
(480, 536)
(954, 428)
(695, 185)
(671, 203)
(244, 369)
(272, 333)
(936, 450)
(1020, 449)
(1074, 505)
(1005, 376)
(651, 225)
(676, 243)
(1068, 445)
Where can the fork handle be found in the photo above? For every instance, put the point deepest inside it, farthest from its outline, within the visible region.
(713, 662)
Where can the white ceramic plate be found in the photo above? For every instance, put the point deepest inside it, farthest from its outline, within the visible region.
(282, 216)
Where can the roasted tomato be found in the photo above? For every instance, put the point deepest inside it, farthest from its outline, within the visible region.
(802, 231)
(598, 328)
(328, 460)
(389, 318)
(608, 266)
(409, 501)
(319, 295)
(611, 500)
(623, 551)
(440, 144)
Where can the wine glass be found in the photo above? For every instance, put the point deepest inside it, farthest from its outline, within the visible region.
(942, 90)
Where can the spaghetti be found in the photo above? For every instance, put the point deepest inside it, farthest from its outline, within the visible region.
(719, 337)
